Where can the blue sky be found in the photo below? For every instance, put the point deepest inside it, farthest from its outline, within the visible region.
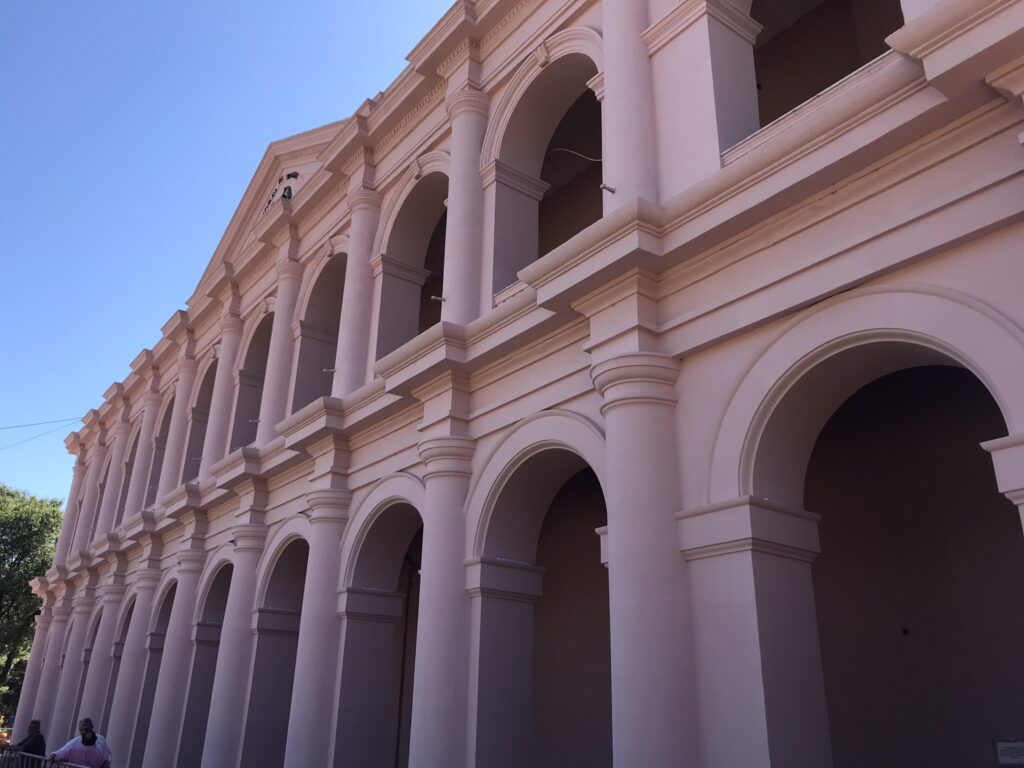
(128, 134)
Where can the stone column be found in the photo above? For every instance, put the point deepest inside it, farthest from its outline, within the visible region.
(354, 343)
(90, 500)
(234, 655)
(97, 679)
(629, 148)
(467, 109)
(72, 511)
(316, 658)
(61, 725)
(653, 714)
(172, 682)
(1008, 463)
(215, 445)
(33, 670)
(115, 476)
(174, 450)
(128, 693)
(438, 730)
(274, 405)
(758, 666)
(47, 689)
(144, 456)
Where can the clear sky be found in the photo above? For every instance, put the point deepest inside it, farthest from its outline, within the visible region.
(128, 133)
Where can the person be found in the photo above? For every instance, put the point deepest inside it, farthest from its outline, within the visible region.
(85, 728)
(84, 751)
(33, 743)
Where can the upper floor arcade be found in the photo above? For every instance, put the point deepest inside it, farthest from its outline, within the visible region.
(528, 154)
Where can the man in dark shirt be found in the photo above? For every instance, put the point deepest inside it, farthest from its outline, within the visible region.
(34, 743)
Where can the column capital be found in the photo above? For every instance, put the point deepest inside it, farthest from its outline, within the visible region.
(328, 505)
(83, 604)
(364, 198)
(637, 377)
(231, 325)
(44, 618)
(1008, 461)
(151, 399)
(450, 455)
(109, 594)
(147, 579)
(191, 560)
(468, 101)
(61, 613)
(187, 364)
(249, 538)
(289, 269)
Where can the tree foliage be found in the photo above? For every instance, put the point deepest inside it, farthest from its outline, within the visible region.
(28, 531)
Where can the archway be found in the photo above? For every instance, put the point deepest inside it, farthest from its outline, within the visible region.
(121, 637)
(250, 385)
(206, 642)
(379, 643)
(277, 636)
(95, 516)
(546, 182)
(540, 597)
(917, 589)
(198, 419)
(807, 45)
(154, 655)
(87, 651)
(318, 335)
(159, 446)
(129, 467)
(412, 265)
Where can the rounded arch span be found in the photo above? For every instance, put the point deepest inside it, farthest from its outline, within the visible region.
(391, 490)
(838, 347)
(124, 612)
(251, 327)
(167, 589)
(328, 254)
(216, 560)
(557, 429)
(208, 367)
(575, 41)
(424, 165)
(294, 529)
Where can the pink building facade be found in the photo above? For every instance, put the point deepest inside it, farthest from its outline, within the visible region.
(632, 383)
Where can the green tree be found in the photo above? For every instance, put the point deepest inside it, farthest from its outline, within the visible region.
(28, 532)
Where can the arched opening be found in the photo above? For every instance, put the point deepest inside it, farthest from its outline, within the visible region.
(115, 668)
(412, 266)
(87, 651)
(198, 419)
(206, 643)
(95, 518)
(318, 336)
(250, 385)
(126, 480)
(908, 602)
(543, 676)
(379, 643)
(159, 446)
(277, 637)
(547, 178)
(154, 655)
(807, 45)
(917, 587)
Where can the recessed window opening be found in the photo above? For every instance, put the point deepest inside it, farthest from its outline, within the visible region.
(159, 446)
(200, 417)
(129, 469)
(412, 265)
(806, 46)
(250, 385)
(572, 171)
(318, 343)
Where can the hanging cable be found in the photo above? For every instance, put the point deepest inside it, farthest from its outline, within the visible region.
(27, 439)
(41, 423)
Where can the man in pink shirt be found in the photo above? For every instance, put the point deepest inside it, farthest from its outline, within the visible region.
(85, 750)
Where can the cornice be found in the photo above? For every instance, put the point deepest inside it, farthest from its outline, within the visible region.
(688, 12)
(942, 24)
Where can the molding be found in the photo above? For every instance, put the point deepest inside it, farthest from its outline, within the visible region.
(497, 172)
(689, 12)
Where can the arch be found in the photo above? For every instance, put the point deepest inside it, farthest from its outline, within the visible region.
(250, 378)
(399, 488)
(216, 560)
(930, 325)
(157, 631)
(410, 264)
(159, 445)
(294, 529)
(580, 41)
(94, 520)
(555, 429)
(126, 479)
(198, 419)
(317, 333)
(438, 161)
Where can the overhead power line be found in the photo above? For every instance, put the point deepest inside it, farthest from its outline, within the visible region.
(27, 439)
(41, 423)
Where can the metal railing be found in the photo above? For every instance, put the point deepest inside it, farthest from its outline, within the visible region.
(10, 759)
